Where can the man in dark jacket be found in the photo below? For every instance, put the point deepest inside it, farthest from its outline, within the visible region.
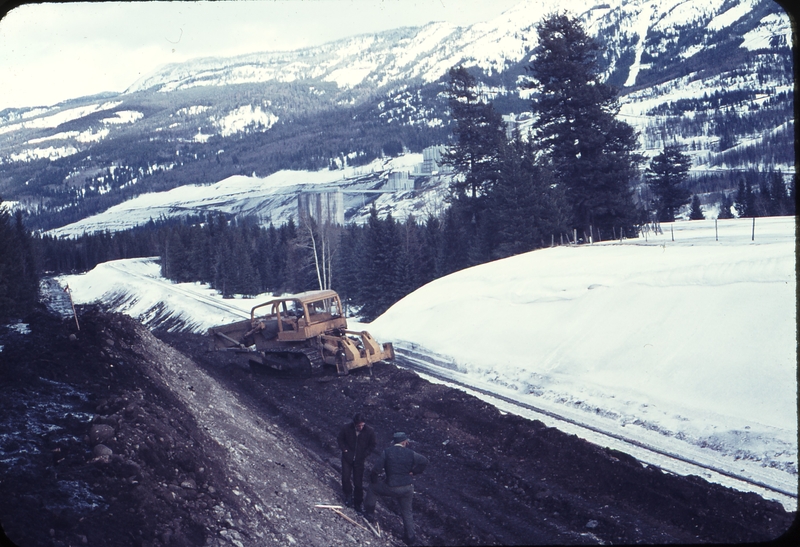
(399, 463)
(357, 441)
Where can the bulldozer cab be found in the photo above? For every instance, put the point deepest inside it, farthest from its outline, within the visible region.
(301, 316)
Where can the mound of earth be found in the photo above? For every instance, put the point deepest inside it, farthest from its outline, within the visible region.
(111, 436)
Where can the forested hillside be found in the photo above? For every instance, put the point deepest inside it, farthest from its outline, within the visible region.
(715, 77)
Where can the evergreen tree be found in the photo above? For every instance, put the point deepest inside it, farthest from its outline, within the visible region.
(245, 276)
(29, 280)
(725, 207)
(375, 267)
(200, 253)
(429, 243)
(263, 260)
(19, 283)
(746, 202)
(779, 198)
(696, 213)
(452, 253)
(349, 266)
(741, 201)
(764, 201)
(527, 205)
(479, 135)
(175, 259)
(592, 153)
(475, 157)
(666, 174)
(750, 198)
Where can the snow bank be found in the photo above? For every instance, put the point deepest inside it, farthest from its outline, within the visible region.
(686, 345)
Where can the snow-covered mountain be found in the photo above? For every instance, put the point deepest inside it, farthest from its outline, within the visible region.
(715, 75)
(641, 27)
(684, 342)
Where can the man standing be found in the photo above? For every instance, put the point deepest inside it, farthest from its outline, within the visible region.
(399, 463)
(357, 441)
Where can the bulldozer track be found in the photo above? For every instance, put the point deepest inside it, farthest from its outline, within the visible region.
(444, 371)
(312, 355)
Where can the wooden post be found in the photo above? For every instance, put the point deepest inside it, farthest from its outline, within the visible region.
(552, 240)
(753, 238)
(716, 232)
(575, 235)
(561, 237)
(672, 233)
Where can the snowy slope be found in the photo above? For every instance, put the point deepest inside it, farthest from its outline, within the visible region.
(272, 198)
(686, 345)
(667, 56)
(428, 52)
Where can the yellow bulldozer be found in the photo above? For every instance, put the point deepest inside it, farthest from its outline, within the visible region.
(299, 334)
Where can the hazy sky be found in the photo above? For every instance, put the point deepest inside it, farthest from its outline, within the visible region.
(54, 51)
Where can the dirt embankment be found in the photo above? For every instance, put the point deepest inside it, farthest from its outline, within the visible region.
(109, 437)
(113, 437)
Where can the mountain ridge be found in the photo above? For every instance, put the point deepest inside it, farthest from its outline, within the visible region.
(715, 76)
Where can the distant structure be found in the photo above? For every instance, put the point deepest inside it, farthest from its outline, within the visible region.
(325, 207)
(399, 181)
(432, 160)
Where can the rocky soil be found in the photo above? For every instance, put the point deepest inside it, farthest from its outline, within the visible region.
(110, 436)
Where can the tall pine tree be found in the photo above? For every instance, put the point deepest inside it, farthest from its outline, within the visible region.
(665, 175)
(527, 206)
(592, 153)
(696, 213)
(475, 157)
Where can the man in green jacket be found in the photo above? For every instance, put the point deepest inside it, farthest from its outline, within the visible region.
(399, 463)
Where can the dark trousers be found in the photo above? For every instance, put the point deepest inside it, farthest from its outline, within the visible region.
(353, 488)
(404, 496)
